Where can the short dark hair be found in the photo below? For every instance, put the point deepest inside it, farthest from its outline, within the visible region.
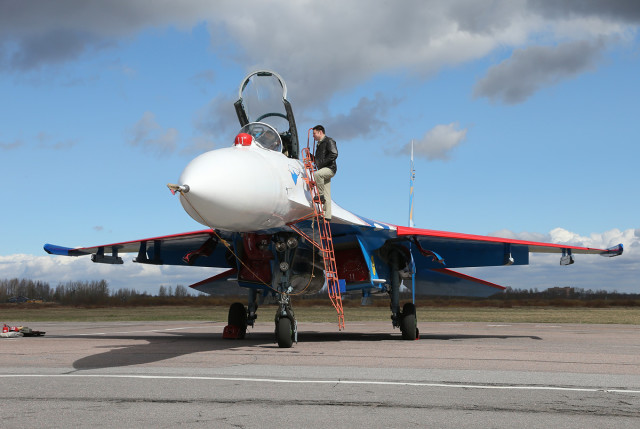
(319, 128)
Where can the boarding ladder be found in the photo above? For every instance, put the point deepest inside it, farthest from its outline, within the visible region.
(326, 242)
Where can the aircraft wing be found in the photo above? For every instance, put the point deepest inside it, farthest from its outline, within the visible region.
(360, 259)
(434, 253)
(198, 248)
(467, 250)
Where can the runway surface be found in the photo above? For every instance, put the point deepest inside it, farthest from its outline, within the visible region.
(165, 374)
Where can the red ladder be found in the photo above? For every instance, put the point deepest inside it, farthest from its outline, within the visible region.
(326, 242)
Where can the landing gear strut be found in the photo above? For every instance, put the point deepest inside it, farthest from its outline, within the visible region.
(406, 319)
(286, 329)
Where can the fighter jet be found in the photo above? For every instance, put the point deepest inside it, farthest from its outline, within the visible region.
(265, 230)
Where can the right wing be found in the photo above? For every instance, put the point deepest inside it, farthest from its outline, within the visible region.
(198, 248)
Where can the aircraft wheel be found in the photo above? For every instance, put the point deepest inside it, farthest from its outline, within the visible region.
(238, 317)
(409, 323)
(284, 333)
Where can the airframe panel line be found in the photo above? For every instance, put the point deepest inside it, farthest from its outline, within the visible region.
(297, 381)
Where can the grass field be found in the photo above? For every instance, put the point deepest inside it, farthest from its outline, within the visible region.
(23, 314)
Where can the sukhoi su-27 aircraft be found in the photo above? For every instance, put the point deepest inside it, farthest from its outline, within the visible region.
(266, 232)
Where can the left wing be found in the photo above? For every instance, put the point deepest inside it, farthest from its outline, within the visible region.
(467, 250)
(434, 253)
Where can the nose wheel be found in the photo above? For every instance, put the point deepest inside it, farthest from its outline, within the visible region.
(286, 331)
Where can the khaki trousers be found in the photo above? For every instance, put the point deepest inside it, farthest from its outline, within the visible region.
(323, 181)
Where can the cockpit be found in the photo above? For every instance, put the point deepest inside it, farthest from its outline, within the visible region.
(263, 134)
(265, 113)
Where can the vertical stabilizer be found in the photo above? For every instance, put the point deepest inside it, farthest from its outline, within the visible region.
(412, 176)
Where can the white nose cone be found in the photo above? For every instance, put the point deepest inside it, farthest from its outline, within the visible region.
(234, 189)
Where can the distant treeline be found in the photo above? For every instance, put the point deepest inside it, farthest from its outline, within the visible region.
(82, 293)
(97, 293)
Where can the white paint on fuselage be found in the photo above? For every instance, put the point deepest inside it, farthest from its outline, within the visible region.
(249, 188)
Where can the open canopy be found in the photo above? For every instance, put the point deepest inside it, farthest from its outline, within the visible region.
(263, 98)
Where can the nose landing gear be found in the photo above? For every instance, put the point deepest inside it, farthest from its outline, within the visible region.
(286, 329)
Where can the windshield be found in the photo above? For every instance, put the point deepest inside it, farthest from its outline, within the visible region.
(264, 134)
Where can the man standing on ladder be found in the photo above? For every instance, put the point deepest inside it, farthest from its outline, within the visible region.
(325, 159)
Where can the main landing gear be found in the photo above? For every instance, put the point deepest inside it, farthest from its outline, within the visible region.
(241, 317)
(406, 319)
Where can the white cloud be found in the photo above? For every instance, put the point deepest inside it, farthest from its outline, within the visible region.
(621, 273)
(438, 142)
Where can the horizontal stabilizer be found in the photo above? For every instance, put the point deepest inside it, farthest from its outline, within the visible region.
(468, 278)
(216, 282)
(446, 282)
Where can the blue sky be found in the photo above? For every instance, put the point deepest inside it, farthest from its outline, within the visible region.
(523, 113)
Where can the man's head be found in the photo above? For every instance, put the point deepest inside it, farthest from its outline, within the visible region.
(318, 132)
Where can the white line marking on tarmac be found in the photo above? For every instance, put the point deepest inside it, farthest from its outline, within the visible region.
(298, 381)
(139, 332)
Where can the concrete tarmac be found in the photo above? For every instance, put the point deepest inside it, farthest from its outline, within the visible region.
(165, 374)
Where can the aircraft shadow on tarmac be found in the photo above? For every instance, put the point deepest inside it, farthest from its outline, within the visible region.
(156, 348)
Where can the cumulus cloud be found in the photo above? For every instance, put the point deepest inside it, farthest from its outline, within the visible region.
(517, 78)
(621, 273)
(362, 120)
(438, 142)
(45, 33)
(149, 135)
(331, 52)
(629, 237)
(61, 269)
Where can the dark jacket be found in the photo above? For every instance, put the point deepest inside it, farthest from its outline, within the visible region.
(326, 154)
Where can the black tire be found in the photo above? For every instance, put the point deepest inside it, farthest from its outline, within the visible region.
(238, 317)
(409, 322)
(408, 327)
(408, 308)
(284, 333)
